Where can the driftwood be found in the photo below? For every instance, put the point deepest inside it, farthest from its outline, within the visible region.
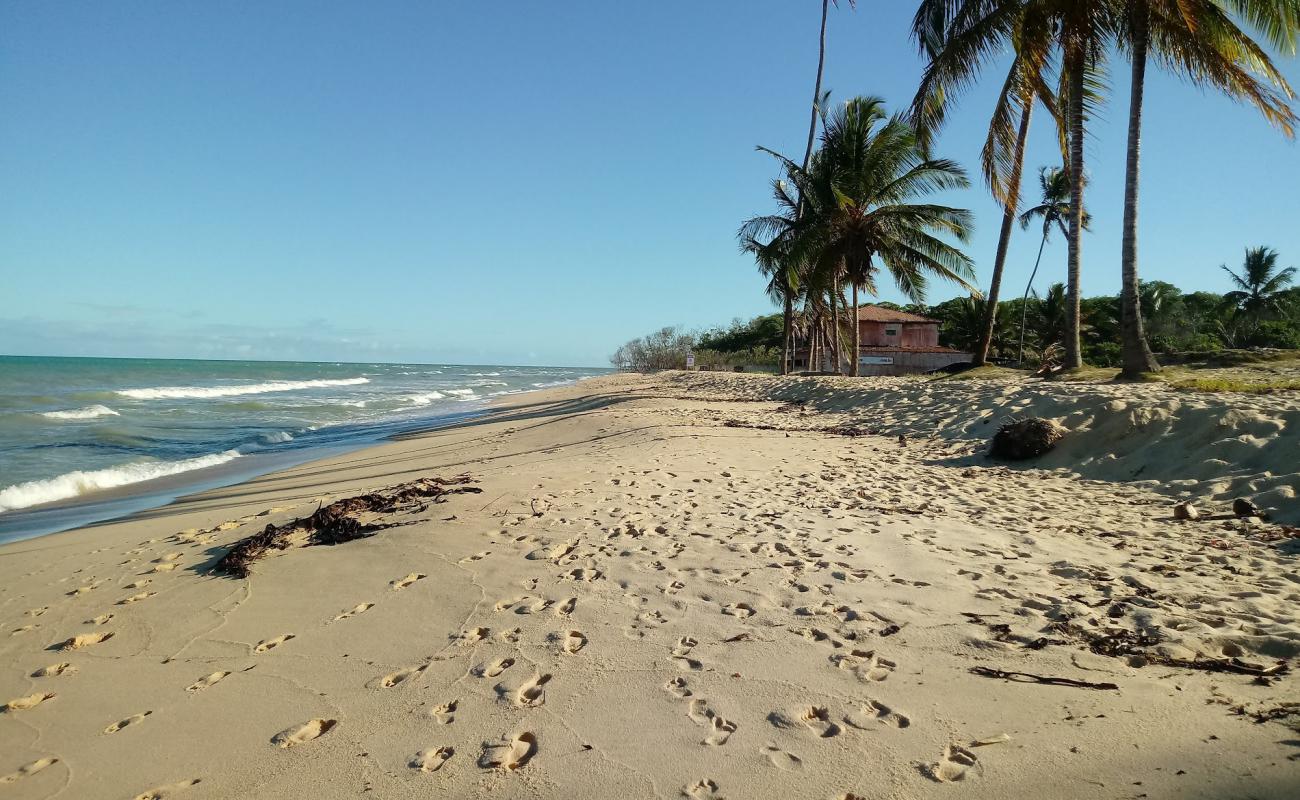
(1025, 677)
(338, 522)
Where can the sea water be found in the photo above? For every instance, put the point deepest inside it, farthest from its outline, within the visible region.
(72, 428)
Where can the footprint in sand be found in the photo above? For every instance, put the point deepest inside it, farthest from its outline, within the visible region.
(53, 670)
(205, 682)
(818, 720)
(431, 760)
(135, 598)
(510, 756)
(85, 640)
(164, 792)
(533, 693)
(271, 644)
(352, 612)
(703, 789)
(299, 734)
(582, 575)
(574, 641)
(140, 584)
(472, 637)
(402, 583)
(566, 608)
(876, 712)
(100, 620)
(24, 703)
(953, 766)
(741, 610)
(27, 770)
(684, 646)
(677, 688)
(496, 667)
(163, 567)
(476, 557)
(401, 676)
(780, 758)
(445, 713)
(699, 711)
(721, 730)
(131, 720)
(23, 629)
(510, 636)
(168, 558)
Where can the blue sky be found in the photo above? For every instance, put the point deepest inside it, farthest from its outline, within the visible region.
(511, 182)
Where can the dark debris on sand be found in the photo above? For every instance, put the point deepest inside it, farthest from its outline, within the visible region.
(340, 521)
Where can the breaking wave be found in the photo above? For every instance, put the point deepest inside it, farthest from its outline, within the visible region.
(73, 484)
(425, 398)
(181, 392)
(89, 412)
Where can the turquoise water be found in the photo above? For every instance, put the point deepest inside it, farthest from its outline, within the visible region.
(71, 428)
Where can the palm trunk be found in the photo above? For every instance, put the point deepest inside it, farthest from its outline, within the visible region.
(835, 326)
(1024, 303)
(807, 157)
(1073, 343)
(1137, 354)
(787, 333)
(857, 333)
(1004, 239)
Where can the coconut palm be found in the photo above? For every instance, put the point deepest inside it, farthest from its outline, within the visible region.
(1198, 40)
(956, 37)
(1260, 284)
(861, 213)
(1054, 209)
(783, 285)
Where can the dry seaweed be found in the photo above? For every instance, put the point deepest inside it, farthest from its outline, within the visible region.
(338, 522)
(1025, 677)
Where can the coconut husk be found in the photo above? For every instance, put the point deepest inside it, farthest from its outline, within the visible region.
(1026, 438)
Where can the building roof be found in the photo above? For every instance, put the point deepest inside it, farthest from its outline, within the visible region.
(882, 314)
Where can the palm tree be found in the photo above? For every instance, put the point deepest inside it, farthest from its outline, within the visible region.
(1197, 39)
(783, 277)
(1260, 284)
(955, 37)
(861, 213)
(1054, 209)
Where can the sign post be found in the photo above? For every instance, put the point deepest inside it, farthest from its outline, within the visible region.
(690, 360)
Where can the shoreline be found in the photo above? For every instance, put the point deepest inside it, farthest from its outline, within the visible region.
(666, 582)
(106, 505)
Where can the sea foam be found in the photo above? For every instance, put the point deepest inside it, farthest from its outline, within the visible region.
(89, 412)
(198, 392)
(73, 484)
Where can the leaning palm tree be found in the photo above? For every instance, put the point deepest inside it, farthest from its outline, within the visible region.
(955, 37)
(1198, 40)
(1054, 209)
(861, 211)
(1260, 284)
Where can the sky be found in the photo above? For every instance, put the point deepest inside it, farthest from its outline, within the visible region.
(513, 182)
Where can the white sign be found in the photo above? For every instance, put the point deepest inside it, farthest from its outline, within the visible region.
(690, 361)
(881, 360)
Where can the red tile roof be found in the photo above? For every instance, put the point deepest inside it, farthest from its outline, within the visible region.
(882, 314)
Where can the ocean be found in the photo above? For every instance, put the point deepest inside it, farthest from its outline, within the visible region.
(73, 428)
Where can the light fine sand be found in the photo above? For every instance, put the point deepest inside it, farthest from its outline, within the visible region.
(686, 586)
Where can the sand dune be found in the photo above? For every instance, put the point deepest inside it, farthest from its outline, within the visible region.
(680, 586)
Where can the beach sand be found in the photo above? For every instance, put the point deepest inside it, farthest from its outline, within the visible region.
(685, 586)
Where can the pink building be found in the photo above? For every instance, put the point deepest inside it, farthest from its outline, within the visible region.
(894, 343)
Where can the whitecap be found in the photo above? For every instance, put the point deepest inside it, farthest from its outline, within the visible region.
(89, 412)
(73, 484)
(424, 398)
(185, 392)
(279, 437)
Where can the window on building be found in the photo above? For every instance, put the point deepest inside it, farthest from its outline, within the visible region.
(891, 330)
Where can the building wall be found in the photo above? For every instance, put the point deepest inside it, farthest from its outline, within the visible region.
(905, 363)
(907, 334)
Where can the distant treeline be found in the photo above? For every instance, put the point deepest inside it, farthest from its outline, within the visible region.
(1176, 322)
